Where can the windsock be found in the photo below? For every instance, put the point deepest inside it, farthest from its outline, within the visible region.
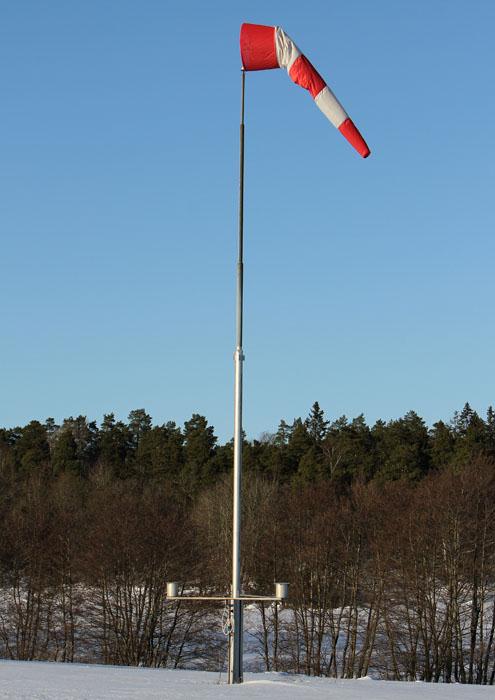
(269, 47)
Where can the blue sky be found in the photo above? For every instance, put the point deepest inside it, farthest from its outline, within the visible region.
(369, 284)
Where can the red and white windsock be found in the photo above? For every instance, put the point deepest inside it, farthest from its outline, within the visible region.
(269, 47)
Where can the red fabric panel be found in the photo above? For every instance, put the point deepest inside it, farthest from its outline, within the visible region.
(305, 75)
(258, 50)
(348, 130)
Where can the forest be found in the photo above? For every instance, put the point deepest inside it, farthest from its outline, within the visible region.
(386, 534)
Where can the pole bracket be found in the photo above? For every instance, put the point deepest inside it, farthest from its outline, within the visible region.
(228, 598)
(281, 593)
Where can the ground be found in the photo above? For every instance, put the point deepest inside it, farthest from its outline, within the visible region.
(54, 681)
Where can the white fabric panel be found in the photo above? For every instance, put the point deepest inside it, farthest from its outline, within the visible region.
(331, 107)
(287, 51)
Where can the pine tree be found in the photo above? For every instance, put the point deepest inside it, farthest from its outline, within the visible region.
(471, 435)
(199, 449)
(311, 465)
(403, 448)
(349, 450)
(316, 425)
(442, 445)
(300, 445)
(64, 454)
(51, 429)
(160, 453)
(33, 451)
(116, 446)
(490, 432)
(87, 438)
(461, 421)
(7, 455)
(282, 436)
(139, 424)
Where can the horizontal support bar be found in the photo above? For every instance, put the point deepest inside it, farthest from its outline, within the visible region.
(251, 599)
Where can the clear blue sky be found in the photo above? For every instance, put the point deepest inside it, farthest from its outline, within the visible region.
(369, 284)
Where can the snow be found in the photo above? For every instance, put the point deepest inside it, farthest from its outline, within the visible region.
(55, 681)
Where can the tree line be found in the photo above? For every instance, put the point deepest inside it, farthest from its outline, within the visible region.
(386, 534)
(306, 450)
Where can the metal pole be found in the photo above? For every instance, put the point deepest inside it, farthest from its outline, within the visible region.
(235, 656)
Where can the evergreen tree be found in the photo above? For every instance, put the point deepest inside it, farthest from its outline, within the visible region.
(115, 446)
(274, 456)
(64, 454)
(32, 448)
(311, 465)
(490, 432)
(51, 429)
(403, 448)
(253, 455)
(222, 460)
(282, 436)
(442, 445)
(316, 425)
(349, 450)
(471, 434)
(87, 438)
(7, 454)
(199, 448)
(160, 452)
(139, 424)
(463, 420)
(301, 444)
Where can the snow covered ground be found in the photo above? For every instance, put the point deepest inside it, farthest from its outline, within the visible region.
(53, 681)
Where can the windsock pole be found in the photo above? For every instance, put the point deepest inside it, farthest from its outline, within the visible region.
(235, 650)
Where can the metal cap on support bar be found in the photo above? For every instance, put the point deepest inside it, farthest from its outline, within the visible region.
(281, 590)
(172, 589)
